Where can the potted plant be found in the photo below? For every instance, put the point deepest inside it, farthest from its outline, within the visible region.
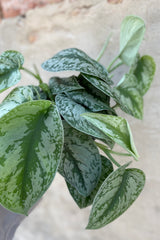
(60, 127)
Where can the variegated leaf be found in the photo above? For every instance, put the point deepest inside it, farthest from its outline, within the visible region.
(10, 63)
(71, 112)
(60, 85)
(144, 73)
(91, 102)
(18, 96)
(31, 140)
(132, 33)
(117, 193)
(82, 201)
(74, 59)
(81, 163)
(116, 128)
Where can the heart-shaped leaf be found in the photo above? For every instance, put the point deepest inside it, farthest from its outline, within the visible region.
(144, 73)
(117, 193)
(132, 32)
(60, 85)
(74, 59)
(81, 163)
(31, 139)
(82, 201)
(18, 96)
(10, 63)
(114, 127)
(71, 112)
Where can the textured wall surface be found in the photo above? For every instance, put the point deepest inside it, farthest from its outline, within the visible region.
(85, 25)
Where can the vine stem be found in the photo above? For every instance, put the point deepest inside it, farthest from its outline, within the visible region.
(112, 159)
(106, 151)
(32, 74)
(116, 66)
(111, 64)
(42, 85)
(104, 48)
(119, 154)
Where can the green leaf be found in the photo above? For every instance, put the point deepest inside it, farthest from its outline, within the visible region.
(18, 96)
(81, 163)
(114, 127)
(90, 88)
(91, 102)
(99, 84)
(82, 201)
(115, 196)
(71, 112)
(144, 73)
(10, 63)
(74, 59)
(31, 139)
(60, 85)
(128, 97)
(132, 33)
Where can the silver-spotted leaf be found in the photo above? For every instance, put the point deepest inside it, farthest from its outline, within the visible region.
(81, 162)
(115, 196)
(82, 201)
(116, 128)
(60, 85)
(74, 59)
(71, 112)
(10, 63)
(90, 88)
(132, 33)
(18, 96)
(31, 140)
(91, 102)
(144, 73)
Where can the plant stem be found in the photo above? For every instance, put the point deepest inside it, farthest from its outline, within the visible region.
(120, 154)
(32, 74)
(42, 85)
(110, 65)
(112, 159)
(116, 66)
(104, 48)
(106, 151)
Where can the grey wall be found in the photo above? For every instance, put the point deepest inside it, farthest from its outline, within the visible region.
(85, 25)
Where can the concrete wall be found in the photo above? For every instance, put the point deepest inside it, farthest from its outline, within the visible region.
(85, 25)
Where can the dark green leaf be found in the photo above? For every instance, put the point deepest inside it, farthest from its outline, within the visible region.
(71, 112)
(31, 139)
(10, 63)
(83, 202)
(132, 33)
(18, 96)
(115, 196)
(60, 85)
(114, 127)
(91, 102)
(128, 98)
(74, 59)
(144, 73)
(81, 163)
(93, 90)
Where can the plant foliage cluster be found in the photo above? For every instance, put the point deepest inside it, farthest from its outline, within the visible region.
(55, 127)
